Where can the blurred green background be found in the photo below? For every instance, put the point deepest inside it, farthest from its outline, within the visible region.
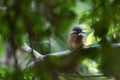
(45, 26)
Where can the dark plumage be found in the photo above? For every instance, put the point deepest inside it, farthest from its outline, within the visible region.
(78, 29)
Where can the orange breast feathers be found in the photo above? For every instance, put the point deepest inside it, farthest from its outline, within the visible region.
(75, 41)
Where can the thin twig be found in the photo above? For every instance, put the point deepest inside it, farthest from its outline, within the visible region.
(39, 42)
(49, 43)
(31, 45)
(75, 75)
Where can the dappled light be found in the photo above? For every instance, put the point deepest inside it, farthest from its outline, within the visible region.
(59, 39)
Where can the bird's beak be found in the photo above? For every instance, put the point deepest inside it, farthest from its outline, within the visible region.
(81, 34)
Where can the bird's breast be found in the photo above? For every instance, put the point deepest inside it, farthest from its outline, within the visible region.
(75, 41)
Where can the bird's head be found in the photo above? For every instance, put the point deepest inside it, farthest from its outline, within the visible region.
(77, 30)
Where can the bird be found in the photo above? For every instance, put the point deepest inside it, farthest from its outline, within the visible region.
(76, 38)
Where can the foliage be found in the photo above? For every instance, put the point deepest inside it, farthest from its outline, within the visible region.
(45, 25)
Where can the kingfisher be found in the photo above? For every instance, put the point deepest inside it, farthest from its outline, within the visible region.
(76, 38)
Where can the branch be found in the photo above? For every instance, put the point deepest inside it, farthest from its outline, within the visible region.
(84, 51)
(84, 76)
(3, 8)
(65, 61)
(28, 49)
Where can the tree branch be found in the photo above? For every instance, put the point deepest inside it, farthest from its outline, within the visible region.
(84, 51)
(83, 76)
(66, 61)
